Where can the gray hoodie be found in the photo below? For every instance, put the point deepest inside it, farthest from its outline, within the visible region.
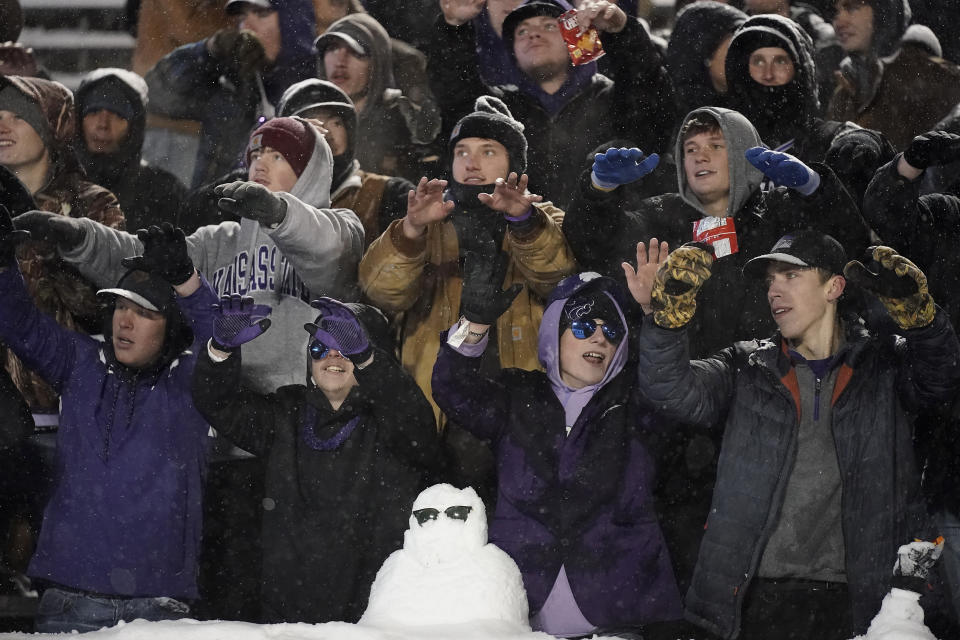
(314, 252)
(740, 135)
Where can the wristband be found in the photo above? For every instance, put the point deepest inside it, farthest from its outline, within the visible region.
(478, 335)
(602, 185)
(521, 218)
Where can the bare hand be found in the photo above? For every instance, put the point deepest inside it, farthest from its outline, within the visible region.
(510, 196)
(318, 125)
(640, 281)
(604, 15)
(17, 60)
(458, 12)
(425, 205)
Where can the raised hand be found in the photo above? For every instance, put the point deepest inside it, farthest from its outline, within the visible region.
(238, 50)
(784, 169)
(640, 280)
(164, 253)
(238, 320)
(425, 204)
(458, 12)
(64, 231)
(898, 283)
(340, 329)
(615, 167)
(604, 15)
(483, 300)
(679, 279)
(510, 196)
(933, 148)
(251, 200)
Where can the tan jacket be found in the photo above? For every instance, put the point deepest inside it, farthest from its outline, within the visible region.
(419, 283)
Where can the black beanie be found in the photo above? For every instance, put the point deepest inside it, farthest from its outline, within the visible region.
(587, 305)
(492, 119)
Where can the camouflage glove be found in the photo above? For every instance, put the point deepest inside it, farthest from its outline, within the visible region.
(914, 562)
(678, 281)
(898, 284)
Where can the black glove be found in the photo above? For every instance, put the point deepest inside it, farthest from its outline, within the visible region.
(484, 268)
(64, 231)
(853, 152)
(9, 238)
(898, 283)
(238, 50)
(932, 148)
(164, 253)
(251, 200)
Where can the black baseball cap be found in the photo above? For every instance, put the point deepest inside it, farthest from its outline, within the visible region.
(233, 7)
(802, 248)
(146, 289)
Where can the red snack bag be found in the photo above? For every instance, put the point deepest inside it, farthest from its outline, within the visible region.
(720, 233)
(583, 44)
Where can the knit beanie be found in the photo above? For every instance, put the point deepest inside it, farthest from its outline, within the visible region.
(590, 304)
(14, 100)
(492, 119)
(110, 95)
(292, 137)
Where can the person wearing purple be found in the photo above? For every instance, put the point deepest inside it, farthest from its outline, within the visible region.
(345, 454)
(575, 465)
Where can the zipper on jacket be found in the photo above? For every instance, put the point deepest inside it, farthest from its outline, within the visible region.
(816, 401)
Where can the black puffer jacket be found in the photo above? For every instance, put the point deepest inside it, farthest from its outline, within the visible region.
(754, 385)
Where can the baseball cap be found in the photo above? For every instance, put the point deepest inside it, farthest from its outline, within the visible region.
(233, 7)
(146, 289)
(802, 248)
(349, 33)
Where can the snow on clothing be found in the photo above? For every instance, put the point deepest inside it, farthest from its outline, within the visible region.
(339, 482)
(755, 386)
(581, 503)
(422, 278)
(56, 288)
(791, 113)
(312, 253)
(389, 124)
(603, 235)
(188, 83)
(148, 195)
(635, 103)
(125, 514)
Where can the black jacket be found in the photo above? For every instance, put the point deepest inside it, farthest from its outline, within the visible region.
(331, 517)
(754, 386)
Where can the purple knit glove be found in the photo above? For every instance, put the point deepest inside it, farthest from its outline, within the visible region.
(237, 320)
(338, 328)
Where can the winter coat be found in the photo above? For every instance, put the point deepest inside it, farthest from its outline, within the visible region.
(148, 195)
(603, 235)
(57, 289)
(16, 423)
(190, 84)
(390, 126)
(636, 103)
(422, 278)
(582, 501)
(313, 252)
(335, 514)
(827, 52)
(377, 200)
(753, 386)
(124, 517)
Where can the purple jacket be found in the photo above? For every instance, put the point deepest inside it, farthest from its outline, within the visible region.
(125, 514)
(583, 501)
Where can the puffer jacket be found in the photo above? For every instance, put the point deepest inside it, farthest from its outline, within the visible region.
(422, 279)
(753, 384)
(56, 288)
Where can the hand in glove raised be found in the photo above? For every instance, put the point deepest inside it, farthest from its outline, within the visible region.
(340, 329)
(857, 151)
(164, 253)
(238, 320)
(784, 169)
(898, 284)
(240, 51)
(932, 148)
(9, 238)
(64, 231)
(679, 279)
(615, 167)
(483, 300)
(251, 200)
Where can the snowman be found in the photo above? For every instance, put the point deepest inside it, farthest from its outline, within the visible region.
(446, 572)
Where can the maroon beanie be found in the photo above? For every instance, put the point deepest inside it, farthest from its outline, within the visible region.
(292, 137)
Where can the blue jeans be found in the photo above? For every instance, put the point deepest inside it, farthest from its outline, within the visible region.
(950, 558)
(63, 611)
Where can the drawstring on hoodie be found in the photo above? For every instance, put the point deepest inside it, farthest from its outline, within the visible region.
(132, 395)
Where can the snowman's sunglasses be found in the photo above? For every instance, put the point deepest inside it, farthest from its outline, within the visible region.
(456, 512)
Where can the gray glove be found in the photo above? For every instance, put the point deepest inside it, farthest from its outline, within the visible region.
(251, 200)
(238, 50)
(64, 231)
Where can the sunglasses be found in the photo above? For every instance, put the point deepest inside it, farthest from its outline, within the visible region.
(456, 512)
(583, 329)
(318, 350)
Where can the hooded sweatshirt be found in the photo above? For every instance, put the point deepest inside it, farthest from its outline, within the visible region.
(189, 84)
(314, 252)
(57, 289)
(148, 195)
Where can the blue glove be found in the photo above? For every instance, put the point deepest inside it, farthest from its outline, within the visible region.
(238, 320)
(784, 169)
(620, 166)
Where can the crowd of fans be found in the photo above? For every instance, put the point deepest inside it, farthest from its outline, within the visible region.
(682, 314)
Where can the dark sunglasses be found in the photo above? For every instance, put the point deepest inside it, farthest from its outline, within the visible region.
(456, 512)
(583, 329)
(318, 350)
